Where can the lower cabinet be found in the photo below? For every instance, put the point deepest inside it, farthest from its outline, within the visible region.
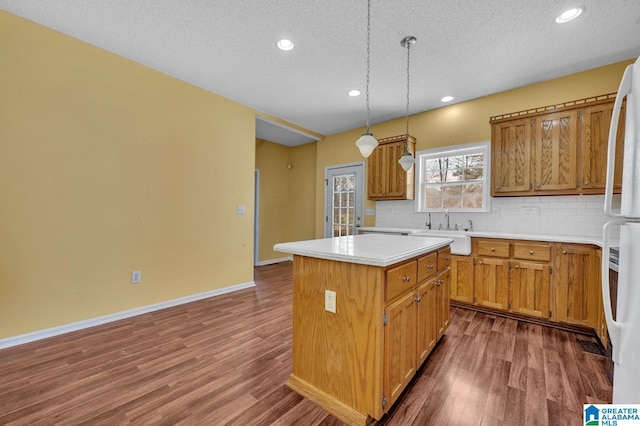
(415, 320)
(530, 289)
(492, 283)
(559, 282)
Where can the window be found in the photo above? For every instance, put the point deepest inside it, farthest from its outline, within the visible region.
(454, 178)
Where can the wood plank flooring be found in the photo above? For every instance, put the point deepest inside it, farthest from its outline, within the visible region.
(225, 360)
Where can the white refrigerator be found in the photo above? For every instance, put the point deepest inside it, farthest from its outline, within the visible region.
(624, 330)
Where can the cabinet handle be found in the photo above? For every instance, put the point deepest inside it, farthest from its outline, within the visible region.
(418, 299)
(538, 186)
(446, 258)
(439, 282)
(530, 251)
(480, 262)
(406, 279)
(497, 187)
(493, 249)
(587, 183)
(517, 266)
(430, 266)
(564, 252)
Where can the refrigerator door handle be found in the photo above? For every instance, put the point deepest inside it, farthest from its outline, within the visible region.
(623, 90)
(612, 325)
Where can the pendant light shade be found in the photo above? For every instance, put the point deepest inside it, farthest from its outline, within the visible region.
(407, 160)
(367, 143)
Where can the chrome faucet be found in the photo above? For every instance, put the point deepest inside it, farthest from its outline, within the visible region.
(446, 218)
(470, 225)
(429, 222)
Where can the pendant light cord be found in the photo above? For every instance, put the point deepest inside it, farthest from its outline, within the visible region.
(408, 56)
(368, 58)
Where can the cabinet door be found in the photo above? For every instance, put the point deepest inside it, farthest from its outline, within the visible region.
(443, 282)
(376, 176)
(511, 157)
(426, 329)
(399, 346)
(577, 286)
(461, 278)
(530, 289)
(556, 151)
(492, 282)
(397, 178)
(594, 125)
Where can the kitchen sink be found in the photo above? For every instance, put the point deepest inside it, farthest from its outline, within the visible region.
(461, 242)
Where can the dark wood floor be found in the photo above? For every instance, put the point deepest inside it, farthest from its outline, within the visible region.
(225, 360)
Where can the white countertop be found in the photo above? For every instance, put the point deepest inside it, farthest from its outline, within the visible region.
(505, 235)
(368, 249)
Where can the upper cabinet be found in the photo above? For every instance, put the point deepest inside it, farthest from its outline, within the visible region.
(386, 179)
(557, 150)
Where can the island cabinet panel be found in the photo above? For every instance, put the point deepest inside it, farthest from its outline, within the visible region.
(356, 362)
(336, 358)
(427, 324)
(400, 346)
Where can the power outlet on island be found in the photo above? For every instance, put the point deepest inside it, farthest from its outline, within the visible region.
(330, 301)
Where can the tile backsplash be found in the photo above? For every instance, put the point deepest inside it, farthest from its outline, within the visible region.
(551, 215)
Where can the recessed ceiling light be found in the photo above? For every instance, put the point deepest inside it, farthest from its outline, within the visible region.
(353, 92)
(285, 44)
(447, 99)
(570, 14)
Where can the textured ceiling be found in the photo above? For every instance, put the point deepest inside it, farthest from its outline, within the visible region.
(465, 48)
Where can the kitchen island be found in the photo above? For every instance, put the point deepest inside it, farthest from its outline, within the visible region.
(367, 311)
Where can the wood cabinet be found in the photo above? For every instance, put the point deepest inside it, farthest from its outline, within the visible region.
(593, 127)
(578, 296)
(386, 179)
(511, 156)
(415, 321)
(557, 282)
(492, 282)
(357, 361)
(554, 150)
(461, 280)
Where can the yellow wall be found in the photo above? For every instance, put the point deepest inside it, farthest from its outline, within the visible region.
(464, 122)
(108, 167)
(287, 195)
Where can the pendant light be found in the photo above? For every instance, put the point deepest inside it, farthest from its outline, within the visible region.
(407, 160)
(367, 143)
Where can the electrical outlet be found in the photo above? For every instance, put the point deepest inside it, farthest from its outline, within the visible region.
(495, 212)
(240, 209)
(330, 301)
(136, 277)
(529, 211)
(370, 212)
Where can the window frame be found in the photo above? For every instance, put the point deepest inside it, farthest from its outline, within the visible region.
(452, 151)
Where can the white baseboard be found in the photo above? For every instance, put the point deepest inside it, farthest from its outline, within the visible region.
(67, 328)
(272, 261)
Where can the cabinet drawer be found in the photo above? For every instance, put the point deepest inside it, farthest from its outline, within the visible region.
(444, 258)
(532, 251)
(491, 248)
(400, 279)
(427, 266)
